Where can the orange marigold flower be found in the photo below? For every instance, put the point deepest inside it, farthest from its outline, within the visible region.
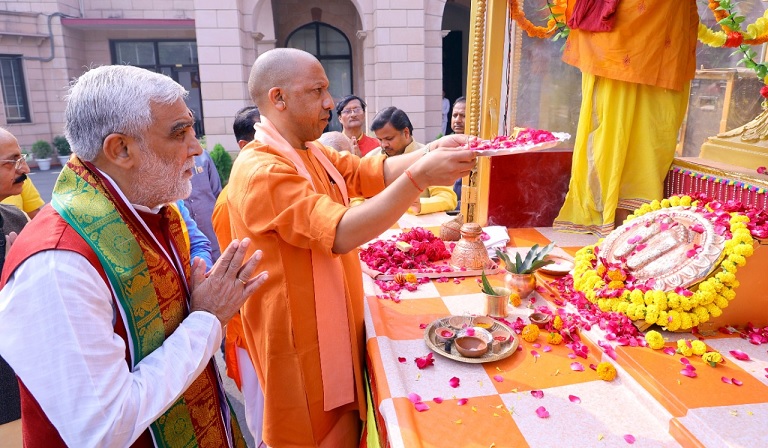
(515, 299)
(557, 323)
(530, 333)
(554, 338)
(606, 371)
(411, 277)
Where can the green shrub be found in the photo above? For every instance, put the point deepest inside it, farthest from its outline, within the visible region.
(42, 150)
(223, 162)
(62, 145)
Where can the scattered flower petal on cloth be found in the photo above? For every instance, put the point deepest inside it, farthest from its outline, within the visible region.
(421, 407)
(498, 378)
(629, 438)
(542, 412)
(736, 382)
(577, 367)
(574, 399)
(669, 351)
(689, 373)
(454, 382)
(414, 398)
(537, 394)
(438, 400)
(462, 401)
(741, 356)
(402, 360)
(425, 361)
(726, 380)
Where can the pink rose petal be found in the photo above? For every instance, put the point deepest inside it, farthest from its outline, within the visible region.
(547, 349)
(536, 345)
(542, 412)
(736, 382)
(726, 380)
(421, 407)
(537, 394)
(689, 367)
(535, 354)
(437, 400)
(498, 378)
(689, 373)
(574, 399)
(741, 356)
(593, 366)
(422, 326)
(402, 360)
(669, 351)
(462, 401)
(685, 361)
(425, 361)
(454, 382)
(577, 367)
(629, 438)
(414, 398)
(572, 355)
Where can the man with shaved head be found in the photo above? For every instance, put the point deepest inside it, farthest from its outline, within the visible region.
(290, 194)
(339, 142)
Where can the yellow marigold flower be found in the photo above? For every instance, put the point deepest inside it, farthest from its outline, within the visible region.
(606, 371)
(745, 250)
(739, 260)
(616, 284)
(706, 297)
(685, 201)
(530, 333)
(699, 348)
(737, 217)
(630, 217)
(728, 265)
(604, 305)
(735, 284)
(694, 319)
(514, 299)
(663, 319)
(651, 313)
(729, 294)
(648, 299)
(674, 201)
(712, 358)
(714, 310)
(683, 347)
(701, 314)
(645, 208)
(706, 286)
(665, 203)
(600, 270)
(616, 274)
(411, 277)
(636, 297)
(654, 339)
(673, 301)
(557, 323)
(721, 302)
(660, 301)
(655, 205)
(554, 339)
(639, 312)
(674, 321)
(686, 321)
(622, 308)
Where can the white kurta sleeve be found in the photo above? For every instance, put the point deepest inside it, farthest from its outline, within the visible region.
(56, 317)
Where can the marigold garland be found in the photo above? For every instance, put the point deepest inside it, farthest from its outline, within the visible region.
(681, 309)
(557, 8)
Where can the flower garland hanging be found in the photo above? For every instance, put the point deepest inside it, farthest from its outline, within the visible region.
(555, 20)
(680, 309)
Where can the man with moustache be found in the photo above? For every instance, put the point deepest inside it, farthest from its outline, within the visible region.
(108, 328)
(13, 172)
(290, 194)
(351, 112)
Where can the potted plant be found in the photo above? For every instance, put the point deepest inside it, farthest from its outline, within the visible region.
(62, 148)
(520, 272)
(42, 151)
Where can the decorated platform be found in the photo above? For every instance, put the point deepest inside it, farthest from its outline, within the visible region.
(670, 396)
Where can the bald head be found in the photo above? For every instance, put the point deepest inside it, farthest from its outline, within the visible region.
(336, 140)
(275, 68)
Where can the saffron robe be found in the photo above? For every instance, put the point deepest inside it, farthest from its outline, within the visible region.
(271, 203)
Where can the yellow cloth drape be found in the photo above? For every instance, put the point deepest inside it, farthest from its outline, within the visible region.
(624, 146)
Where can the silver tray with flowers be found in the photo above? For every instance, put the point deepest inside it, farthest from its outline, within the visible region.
(489, 340)
(525, 140)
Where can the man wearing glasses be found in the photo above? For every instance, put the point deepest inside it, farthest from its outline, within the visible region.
(13, 171)
(351, 110)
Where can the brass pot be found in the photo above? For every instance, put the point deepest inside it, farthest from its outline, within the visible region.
(470, 252)
(523, 284)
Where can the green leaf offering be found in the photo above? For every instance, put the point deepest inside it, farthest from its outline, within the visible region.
(487, 288)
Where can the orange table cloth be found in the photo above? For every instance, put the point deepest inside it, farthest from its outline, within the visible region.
(649, 403)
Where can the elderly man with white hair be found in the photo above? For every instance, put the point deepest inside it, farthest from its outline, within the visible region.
(109, 330)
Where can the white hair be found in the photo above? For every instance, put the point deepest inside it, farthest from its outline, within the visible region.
(114, 99)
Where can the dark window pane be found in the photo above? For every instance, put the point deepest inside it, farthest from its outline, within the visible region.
(332, 42)
(135, 53)
(14, 92)
(304, 39)
(173, 53)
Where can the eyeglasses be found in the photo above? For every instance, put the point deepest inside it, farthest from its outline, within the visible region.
(16, 162)
(355, 111)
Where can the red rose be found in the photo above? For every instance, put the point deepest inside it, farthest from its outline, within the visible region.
(734, 39)
(764, 91)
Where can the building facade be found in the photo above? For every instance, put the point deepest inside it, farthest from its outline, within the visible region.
(390, 52)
